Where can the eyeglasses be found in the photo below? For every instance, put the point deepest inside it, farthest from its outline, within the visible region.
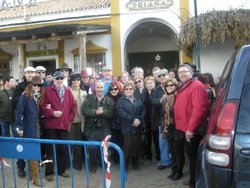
(170, 85)
(39, 72)
(114, 89)
(129, 89)
(161, 75)
(139, 81)
(76, 79)
(59, 78)
(64, 70)
(38, 85)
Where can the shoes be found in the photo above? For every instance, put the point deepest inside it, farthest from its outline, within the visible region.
(170, 176)
(177, 176)
(92, 169)
(36, 182)
(147, 162)
(162, 167)
(78, 168)
(21, 173)
(50, 178)
(136, 166)
(65, 175)
(185, 182)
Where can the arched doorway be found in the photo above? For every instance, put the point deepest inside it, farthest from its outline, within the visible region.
(151, 44)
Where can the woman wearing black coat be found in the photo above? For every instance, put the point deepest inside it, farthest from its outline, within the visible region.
(131, 114)
(114, 92)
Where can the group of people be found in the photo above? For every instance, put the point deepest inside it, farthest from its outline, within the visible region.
(136, 111)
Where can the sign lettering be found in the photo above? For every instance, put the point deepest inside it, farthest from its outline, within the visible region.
(7, 4)
(134, 5)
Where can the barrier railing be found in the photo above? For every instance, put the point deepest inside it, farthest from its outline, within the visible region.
(12, 149)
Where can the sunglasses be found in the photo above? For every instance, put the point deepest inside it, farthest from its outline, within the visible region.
(59, 78)
(114, 89)
(170, 85)
(39, 72)
(129, 89)
(139, 81)
(38, 85)
(64, 70)
(162, 75)
(76, 79)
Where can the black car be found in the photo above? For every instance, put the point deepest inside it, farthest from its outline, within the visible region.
(224, 153)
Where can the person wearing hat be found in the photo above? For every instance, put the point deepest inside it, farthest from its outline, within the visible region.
(59, 110)
(86, 84)
(27, 119)
(77, 126)
(156, 100)
(64, 68)
(41, 72)
(29, 73)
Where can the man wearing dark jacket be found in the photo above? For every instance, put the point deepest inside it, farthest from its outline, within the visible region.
(6, 110)
(98, 111)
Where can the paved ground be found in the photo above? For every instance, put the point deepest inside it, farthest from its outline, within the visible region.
(147, 177)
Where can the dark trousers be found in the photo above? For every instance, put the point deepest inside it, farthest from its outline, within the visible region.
(191, 150)
(174, 164)
(61, 150)
(94, 157)
(76, 134)
(151, 135)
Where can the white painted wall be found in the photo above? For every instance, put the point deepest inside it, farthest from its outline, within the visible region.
(215, 56)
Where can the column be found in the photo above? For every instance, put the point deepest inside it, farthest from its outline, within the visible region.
(82, 53)
(21, 59)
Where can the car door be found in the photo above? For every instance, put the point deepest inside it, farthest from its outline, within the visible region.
(241, 159)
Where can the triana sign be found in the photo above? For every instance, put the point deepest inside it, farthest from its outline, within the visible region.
(133, 5)
(12, 4)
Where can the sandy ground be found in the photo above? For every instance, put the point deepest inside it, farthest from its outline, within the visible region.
(147, 177)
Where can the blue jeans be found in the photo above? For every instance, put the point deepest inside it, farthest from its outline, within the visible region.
(5, 128)
(164, 149)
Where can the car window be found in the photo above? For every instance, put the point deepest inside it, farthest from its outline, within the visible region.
(243, 124)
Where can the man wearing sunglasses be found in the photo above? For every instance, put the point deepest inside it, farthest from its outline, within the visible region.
(64, 68)
(156, 100)
(41, 72)
(59, 110)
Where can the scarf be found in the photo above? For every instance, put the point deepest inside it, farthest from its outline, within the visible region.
(169, 119)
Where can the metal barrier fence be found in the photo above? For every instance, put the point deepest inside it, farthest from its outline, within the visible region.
(12, 149)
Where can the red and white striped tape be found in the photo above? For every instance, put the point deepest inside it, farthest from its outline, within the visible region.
(4, 162)
(105, 144)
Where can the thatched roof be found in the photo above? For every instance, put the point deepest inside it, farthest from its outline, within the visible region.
(216, 26)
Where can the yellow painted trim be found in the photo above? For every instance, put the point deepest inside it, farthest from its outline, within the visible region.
(101, 21)
(184, 14)
(115, 35)
(61, 52)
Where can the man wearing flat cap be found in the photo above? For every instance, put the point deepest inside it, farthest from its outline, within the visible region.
(59, 110)
(41, 72)
(64, 68)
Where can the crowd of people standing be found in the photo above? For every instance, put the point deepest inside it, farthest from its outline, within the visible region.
(164, 110)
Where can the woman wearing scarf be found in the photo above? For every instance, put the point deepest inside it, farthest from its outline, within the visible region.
(169, 130)
(27, 119)
(131, 114)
